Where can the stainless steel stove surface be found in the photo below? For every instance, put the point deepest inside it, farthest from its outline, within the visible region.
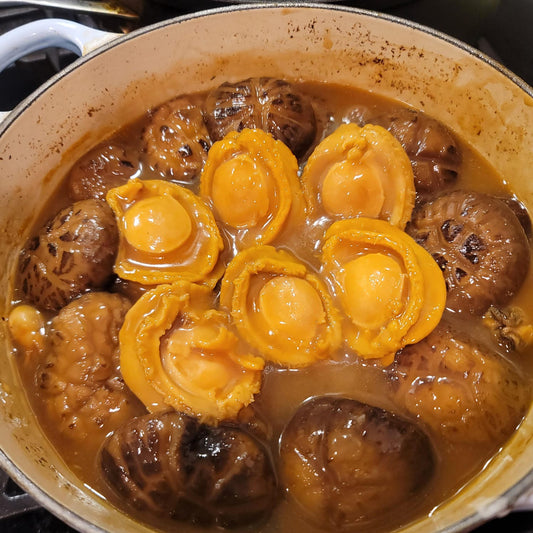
(501, 29)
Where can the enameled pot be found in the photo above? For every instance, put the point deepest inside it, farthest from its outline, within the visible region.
(117, 82)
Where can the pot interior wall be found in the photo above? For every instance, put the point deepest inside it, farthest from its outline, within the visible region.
(117, 84)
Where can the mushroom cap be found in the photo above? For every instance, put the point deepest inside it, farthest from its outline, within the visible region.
(460, 388)
(432, 148)
(479, 244)
(79, 380)
(176, 140)
(270, 104)
(73, 253)
(346, 462)
(171, 466)
(106, 166)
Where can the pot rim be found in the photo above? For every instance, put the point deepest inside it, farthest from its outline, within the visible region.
(22, 106)
(476, 518)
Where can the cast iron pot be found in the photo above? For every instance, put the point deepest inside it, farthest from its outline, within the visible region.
(115, 83)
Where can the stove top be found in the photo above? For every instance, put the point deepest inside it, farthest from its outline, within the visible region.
(501, 29)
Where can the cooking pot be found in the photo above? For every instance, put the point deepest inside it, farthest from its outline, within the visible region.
(485, 104)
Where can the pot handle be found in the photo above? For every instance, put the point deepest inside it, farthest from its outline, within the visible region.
(46, 33)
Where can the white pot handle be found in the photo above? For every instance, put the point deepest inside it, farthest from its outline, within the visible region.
(49, 33)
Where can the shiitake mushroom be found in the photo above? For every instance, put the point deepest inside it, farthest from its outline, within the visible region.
(347, 463)
(432, 148)
(71, 254)
(106, 166)
(480, 245)
(176, 140)
(460, 387)
(271, 104)
(81, 388)
(520, 210)
(171, 466)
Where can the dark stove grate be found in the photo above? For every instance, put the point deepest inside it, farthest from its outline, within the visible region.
(19, 512)
(13, 500)
(28, 73)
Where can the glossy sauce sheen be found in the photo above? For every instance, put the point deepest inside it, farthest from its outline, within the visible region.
(284, 390)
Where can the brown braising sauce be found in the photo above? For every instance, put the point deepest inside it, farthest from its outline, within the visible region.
(62, 397)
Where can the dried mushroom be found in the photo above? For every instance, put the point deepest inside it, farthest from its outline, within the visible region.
(521, 212)
(460, 388)
(176, 350)
(432, 148)
(166, 234)
(279, 307)
(360, 172)
(510, 327)
(176, 140)
(390, 288)
(104, 167)
(170, 466)
(273, 105)
(73, 253)
(347, 463)
(81, 388)
(250, 180)
(479, 244)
